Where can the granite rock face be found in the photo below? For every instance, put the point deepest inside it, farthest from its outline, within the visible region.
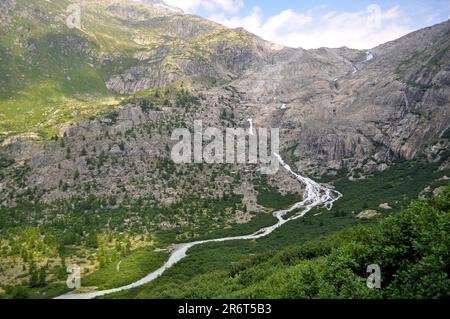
(346, 108)
(217, 62)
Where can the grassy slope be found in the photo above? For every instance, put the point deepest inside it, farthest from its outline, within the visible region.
(219, 258)
(412, 248)
(215, 261)
(136, 265)
(58, 82)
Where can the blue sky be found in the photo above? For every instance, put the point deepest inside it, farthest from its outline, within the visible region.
(312, 24)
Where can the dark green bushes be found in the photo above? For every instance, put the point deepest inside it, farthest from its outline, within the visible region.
(412, 247)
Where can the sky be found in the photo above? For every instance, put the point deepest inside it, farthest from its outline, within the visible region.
(313, 24)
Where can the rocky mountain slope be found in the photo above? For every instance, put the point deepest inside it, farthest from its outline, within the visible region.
(339, 110)
(52, 73)
(354, 109)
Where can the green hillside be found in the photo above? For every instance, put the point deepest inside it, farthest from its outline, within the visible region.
(50, 74)
(411, 247)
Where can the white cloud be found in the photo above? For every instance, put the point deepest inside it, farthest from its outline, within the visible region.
(285, 22)
(252, 22)
(192, 6)
(360, 29)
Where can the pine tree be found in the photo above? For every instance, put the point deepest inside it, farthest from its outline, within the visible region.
(41, 277)
(33, 282)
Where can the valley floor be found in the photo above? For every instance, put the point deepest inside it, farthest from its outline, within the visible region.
(394, 188)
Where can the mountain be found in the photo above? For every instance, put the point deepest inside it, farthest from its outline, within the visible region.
(339, 109)
(347, 107)
(54, 74)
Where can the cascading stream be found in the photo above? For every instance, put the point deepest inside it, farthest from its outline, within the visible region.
(315, 195)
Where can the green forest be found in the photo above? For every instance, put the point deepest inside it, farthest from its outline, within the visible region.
(322, 255)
